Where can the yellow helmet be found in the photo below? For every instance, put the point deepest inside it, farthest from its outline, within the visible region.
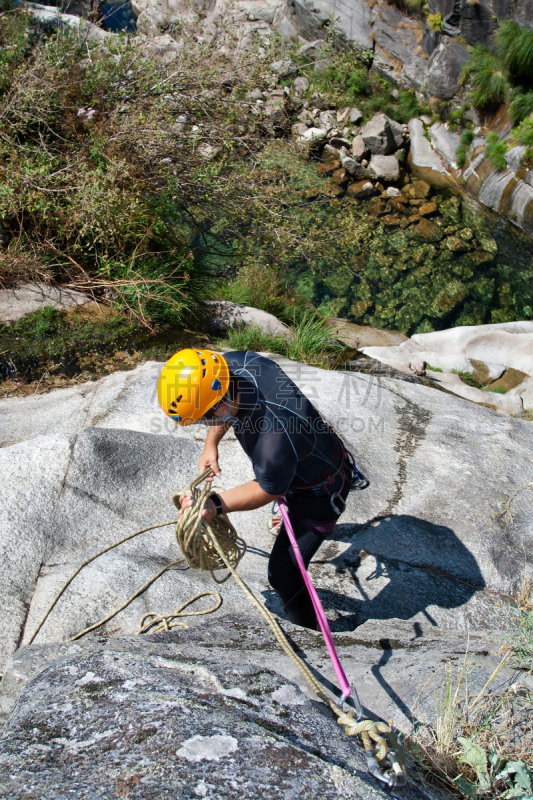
(192, 382)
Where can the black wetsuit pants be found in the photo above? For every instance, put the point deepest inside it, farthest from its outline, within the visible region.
(283, 571)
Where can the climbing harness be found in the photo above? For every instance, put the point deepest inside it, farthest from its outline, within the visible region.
(215, 546)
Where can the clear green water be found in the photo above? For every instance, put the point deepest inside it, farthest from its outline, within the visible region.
(391, 277)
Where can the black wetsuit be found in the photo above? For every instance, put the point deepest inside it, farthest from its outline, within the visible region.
(294, 453)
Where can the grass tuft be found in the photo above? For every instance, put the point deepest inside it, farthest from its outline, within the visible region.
(312, 341)
(489, 84)
(495, 152)
(514, 44)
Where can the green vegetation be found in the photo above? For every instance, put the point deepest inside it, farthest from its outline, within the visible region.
(312, 341)
(489, 82)
(524, 133)
(435, 22)
(514, 44)
(433, 369)
(495, 152)
(495, 389)
(467, 137)
(507, 72)
(15, 38)
(521, 105)
(468, 378)
(460, 156)
(347, 81)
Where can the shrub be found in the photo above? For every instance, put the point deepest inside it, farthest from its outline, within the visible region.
(15, 37)
(524, 133)
(460, 156)
(495, 152)
(521, 105)
(489, 84)
(514, 44)
(435, 22)
(467, 137)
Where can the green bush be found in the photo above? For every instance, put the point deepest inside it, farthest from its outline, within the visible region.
(495, 152)
(514, 44)
(521, 105)
(348, 82)
(524, 133)
(435, 22)
(460, 156)
(15, 38)
(489, 83)
(467, 137)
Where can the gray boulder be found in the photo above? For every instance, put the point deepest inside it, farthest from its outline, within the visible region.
(384, 168)
(382, 135)
(223, 314)
(301, 85)
(445, 67)
(21, 300)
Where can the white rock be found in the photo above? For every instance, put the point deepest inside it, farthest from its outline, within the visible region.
(207, 748)
(314, 134)
(15, 303)
(384, 168)
(424, 161)
(223, 315)
(392, 191)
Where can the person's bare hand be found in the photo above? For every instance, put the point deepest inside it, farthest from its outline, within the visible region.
(208, 513)
(209, 458)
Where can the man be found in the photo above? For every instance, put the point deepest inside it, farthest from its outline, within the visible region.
(294, 453)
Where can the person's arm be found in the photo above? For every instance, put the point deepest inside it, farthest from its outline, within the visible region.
(209, 457)
(246, 497)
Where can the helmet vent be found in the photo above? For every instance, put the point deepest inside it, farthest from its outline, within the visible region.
(215, 359)
(178, 399)
(204, 372)
(216, 385)
(204, 362)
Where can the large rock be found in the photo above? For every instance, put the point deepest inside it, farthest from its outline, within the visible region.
(424, 161)
(406, 564)
(384, 168)
(382, 135)
(444, 69)
(223, 315)
(178, 716)
(21, 300)
(397, 56)
(499, 347)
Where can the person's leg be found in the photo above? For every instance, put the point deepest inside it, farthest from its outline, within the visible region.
(284, 573)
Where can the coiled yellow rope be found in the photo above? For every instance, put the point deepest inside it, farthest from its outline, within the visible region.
(214, 546)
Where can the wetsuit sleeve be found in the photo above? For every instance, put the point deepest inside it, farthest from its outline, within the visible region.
(274, 462)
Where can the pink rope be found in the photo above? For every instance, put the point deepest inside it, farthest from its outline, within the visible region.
(322, 621)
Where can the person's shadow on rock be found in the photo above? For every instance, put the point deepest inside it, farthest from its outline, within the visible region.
(425, 565)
